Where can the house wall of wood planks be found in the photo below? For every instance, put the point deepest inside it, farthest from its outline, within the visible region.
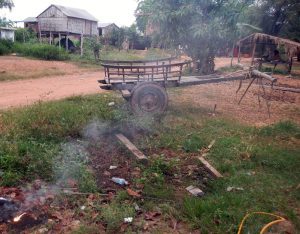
(55, 21)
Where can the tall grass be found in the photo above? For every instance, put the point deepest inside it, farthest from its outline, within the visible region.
(41, 51)
(5, 46)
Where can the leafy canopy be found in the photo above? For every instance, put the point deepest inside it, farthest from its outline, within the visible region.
(200, 27)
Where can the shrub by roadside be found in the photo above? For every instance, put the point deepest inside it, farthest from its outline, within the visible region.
(42, 51)
(5, 46)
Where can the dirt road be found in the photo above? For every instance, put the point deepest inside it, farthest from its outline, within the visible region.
(26, 92)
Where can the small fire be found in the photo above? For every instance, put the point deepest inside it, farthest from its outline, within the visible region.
(18, 218)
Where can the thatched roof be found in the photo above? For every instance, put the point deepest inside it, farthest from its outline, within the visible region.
(291, 47)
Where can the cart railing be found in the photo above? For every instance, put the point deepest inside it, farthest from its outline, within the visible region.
(115, 73)
(137, 62)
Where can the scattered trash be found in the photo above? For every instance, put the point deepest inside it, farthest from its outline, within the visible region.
(7, 209)
(128, 220)
(250, 173)
(132, 193)
(229, 189)
(211, 144)
(82, 208)
(43, 230)
(119, 181)
(111, 104)
(113, 167)
(151, 215)
(137, 208)
(106, 173)
(195, 191)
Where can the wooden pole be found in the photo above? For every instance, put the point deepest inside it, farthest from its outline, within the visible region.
(59, 38)
(232, 51)
(67, 42)
(81, 45)
(50, 38)
(40, 33)
(253, 53)
(239, 54)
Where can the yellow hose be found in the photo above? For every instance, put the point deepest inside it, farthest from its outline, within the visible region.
(264, 229)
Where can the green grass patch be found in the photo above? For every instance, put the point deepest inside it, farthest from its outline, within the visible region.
(229, 68)
(42, 142)
(32, 138)
(114, 214)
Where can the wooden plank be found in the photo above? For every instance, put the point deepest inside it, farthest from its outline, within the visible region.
(131, 147)
(210, 167)
(187, 81)
(286, 89)
(125, 93)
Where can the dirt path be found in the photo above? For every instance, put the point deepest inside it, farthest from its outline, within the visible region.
(26, 92)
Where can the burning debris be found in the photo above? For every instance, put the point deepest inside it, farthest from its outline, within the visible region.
(8, 209)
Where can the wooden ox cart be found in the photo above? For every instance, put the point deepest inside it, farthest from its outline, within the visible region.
(144, 83)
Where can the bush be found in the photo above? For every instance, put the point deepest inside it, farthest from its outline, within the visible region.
(42, 51)
(5, 46)
(25, 35)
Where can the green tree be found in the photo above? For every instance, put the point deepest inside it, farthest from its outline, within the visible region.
(199, 27)
(276, 17)
(25, 35)
(6, 4)
(5, 22)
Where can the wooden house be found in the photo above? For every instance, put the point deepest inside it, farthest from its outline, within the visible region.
(105, 29)
(31, 23)
(60, 21)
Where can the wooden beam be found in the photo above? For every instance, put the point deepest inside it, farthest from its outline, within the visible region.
(239, 54)
(81, 45)
(59, 38)
(210, 167)
(67, 42)
(131, 147)
(126, 93)
(253, 53)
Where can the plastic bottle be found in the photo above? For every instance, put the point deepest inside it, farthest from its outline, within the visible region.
(119, 181)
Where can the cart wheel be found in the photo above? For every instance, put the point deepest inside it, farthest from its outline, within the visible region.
(149, 99)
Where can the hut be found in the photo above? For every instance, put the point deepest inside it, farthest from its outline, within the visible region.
(259, 42)
(105, 29)
(60, 21)
(31, 23)
(7, 33)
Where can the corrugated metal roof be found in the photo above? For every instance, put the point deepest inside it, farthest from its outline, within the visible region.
(76, 13)
(104, 25)
(30, 19)
(8, 29)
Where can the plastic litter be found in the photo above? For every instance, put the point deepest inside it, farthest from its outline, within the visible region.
(111, 104)
(195, 191)
(119, 181)
(128, 220)
(229, 189)
(113, 167)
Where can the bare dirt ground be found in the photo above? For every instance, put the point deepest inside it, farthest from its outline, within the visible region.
(58, 80)
(16, 68)
(283, 105)
(26, 92)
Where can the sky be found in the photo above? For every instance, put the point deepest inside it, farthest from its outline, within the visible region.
(120, 12)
